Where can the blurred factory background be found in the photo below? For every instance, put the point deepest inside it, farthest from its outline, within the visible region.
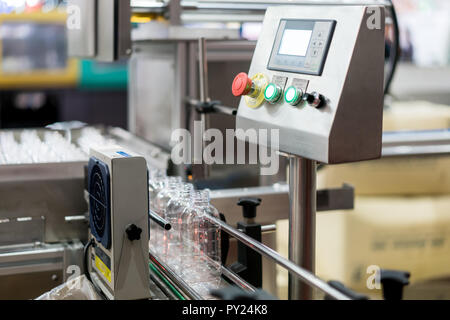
(401, 215)
(40, 85)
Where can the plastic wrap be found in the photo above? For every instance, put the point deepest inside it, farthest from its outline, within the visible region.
(78, 288)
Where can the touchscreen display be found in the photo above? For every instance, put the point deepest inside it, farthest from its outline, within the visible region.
(295, 42)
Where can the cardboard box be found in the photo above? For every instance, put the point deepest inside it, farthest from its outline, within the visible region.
(424, 175)
(416, 115)
(404, 233)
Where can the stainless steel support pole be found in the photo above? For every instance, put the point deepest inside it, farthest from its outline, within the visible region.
(175, 12)
(203, 70)
(204, 94)
(302, 222)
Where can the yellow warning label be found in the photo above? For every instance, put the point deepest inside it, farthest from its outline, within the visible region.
(103, 268)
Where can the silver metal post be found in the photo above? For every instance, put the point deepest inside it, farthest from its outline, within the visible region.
(302, 222)
(203, 70)
(175, 12)
(204, 94)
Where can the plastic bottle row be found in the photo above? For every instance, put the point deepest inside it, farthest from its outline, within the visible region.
(192, 247)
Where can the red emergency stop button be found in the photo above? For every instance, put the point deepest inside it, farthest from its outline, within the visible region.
(242, 85)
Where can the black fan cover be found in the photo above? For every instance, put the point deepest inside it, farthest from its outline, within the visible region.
(99, 201)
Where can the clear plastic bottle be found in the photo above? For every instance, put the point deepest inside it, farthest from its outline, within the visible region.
(175, 208)
(157, 181)
(202, 255)
(171, 188)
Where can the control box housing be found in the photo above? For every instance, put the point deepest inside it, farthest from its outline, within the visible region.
(334, 57)
(119, 224)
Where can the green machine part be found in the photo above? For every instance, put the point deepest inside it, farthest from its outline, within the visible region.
(96, 75)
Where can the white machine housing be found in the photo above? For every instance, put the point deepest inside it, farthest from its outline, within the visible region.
(349, 126)
(127, 276)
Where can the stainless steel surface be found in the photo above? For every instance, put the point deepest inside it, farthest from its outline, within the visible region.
(301, 273)
(269, 228)
(353, 114)
(302, 222)
(200, 169)
(113, 30)
(27, 286)
(154, 155)
(217, 107)
(76, 218)
(45, 201)
(20, 230)
(163, 223)
(46, 258)
(203, 70)
(104, 32)
(191, 11)
(27, 271)
(82, 39)
(164, 73)
(416, 143)
(275, 201)
(175, 12)
(156, 75)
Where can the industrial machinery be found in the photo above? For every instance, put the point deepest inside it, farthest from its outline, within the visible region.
(316, 93)
(43, 208)
(316, 77)
(331, 70)
(118, 211)
(310, 81)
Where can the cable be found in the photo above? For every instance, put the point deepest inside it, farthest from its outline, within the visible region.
(86, 268)
(394, 56)
(86, 258)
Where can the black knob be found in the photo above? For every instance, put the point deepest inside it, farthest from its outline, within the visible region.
(133, 232)
(393, 282)
(314, 99)
(249, 206)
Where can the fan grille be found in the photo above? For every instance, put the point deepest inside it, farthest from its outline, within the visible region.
(98, 204)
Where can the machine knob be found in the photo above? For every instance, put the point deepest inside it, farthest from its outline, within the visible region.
(242, 85)
(272, 93)
(314, 99)
(293, 95)
(393, 282)
(133, 232)
(249, 206)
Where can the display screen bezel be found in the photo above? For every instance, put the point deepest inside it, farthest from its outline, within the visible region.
(299, 24)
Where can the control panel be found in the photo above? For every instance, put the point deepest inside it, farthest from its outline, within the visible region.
(301, 46)
(317, 77)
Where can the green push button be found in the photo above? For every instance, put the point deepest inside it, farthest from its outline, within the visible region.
(272, 93)
(293, 95)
